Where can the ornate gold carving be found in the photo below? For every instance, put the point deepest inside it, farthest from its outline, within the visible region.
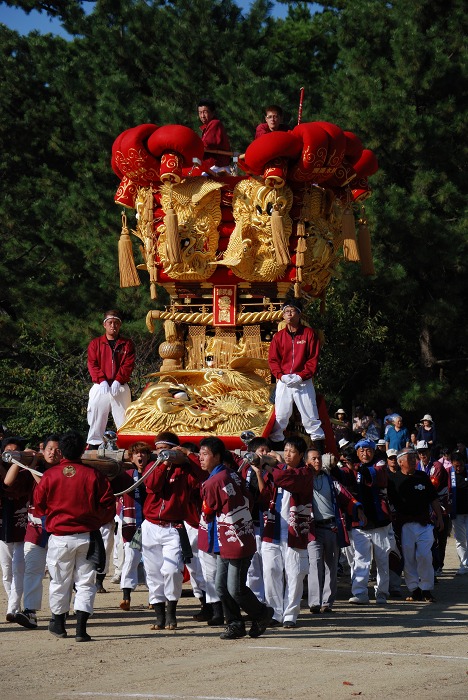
(250, 252)
(218, 402)
(196, 202)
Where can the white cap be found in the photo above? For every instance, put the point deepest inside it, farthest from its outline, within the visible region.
(422, 445)
(381, 442)
(340, 410)
(342, 443)
(392, 453)
(427, 417)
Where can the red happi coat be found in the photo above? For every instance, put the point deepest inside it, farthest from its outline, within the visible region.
(225, 497)
(74, 498)
(299, 482)
(169, 493)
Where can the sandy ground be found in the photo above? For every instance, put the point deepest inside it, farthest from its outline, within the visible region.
(405, 650)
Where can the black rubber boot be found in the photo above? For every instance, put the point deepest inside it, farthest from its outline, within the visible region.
(171, 622)
(160, 610)
(57, 625)
(206, 612)
(218, 615)
(125, 603)
(100, 583)
(81, 619)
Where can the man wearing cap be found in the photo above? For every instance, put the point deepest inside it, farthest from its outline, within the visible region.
(395, 558)
(111, 359)
(293, 358)
(381, 445)
(439, 479)
(412, 496)
(367, 482)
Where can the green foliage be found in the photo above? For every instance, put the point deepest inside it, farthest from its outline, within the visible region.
(42, 390)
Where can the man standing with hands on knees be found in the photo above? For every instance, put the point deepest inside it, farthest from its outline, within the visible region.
(111, 359)
(293, 359)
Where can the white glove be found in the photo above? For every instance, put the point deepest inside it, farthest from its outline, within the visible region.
(285, 379)
(104, 387)
(115, 387)
(294, 380)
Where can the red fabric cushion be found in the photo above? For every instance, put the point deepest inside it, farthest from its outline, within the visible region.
(336, 146)
(131, 157)
(276, 144)
(367, 164)
(176, 138)
(353, 148)
(314, 152)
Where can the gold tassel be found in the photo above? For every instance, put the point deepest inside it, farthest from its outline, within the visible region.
(173, 252)
(279, 242)
(348, 226)
(128, 274)
(365, 247)
(300, 229)
(301, 245)
(297, 290)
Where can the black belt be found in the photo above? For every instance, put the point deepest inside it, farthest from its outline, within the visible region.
(322, 523)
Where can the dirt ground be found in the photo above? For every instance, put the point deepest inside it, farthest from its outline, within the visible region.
(415, 650)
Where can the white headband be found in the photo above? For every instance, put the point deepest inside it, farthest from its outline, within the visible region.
(109, 317)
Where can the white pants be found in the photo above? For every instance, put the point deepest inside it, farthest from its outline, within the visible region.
(366, 542)
(164, 567)
(460, 532)
(107, 533)
(99, 406)
(194, 567)
(67, 564)
(303, 395)
(132, 558)
(416, 543)
(284, 570)
(255, 572)
(348, 553)
(118, 553)
(12, 563)
(208, 564)
(34, 568)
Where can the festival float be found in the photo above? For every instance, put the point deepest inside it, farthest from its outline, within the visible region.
(229, 249)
